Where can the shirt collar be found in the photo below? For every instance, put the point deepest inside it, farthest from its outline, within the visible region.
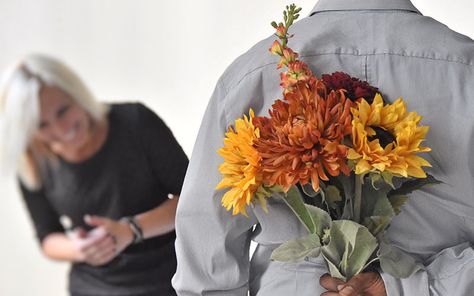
(335, 5)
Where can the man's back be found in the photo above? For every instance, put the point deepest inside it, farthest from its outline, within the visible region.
(393, 47)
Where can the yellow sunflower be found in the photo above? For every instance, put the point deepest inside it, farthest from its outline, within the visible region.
(241, 167)
(387, 139)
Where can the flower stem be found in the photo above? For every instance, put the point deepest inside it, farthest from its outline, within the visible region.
(358, 198)
(295, 201)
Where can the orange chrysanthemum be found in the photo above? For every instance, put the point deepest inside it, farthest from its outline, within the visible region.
(302, 139)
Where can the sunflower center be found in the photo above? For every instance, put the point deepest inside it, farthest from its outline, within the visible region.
(382, 135)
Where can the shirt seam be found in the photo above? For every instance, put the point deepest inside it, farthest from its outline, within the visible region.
(227, 90)
(221, 85)
(394, 54)
(366, 68)
(368, 10)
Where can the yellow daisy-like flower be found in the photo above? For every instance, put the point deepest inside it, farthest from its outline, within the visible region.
(387, 139)
(241, 167)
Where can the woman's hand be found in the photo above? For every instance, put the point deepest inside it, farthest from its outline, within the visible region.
(95, 247)
(120, 231)
(365, 284)
(103, 243)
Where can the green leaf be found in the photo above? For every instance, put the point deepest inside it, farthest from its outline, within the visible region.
(383, 207)
(397, 202)
(370, 198)
(414, 184)
(377, 224)
(396, 262)
(376, 180)
(334, 270)
(321, 219)
(382, 214)
(363, 245)
(334, 250)
(332, 195)
(297, 249)
(351, 246)
(313, 218)
(388, 178)
(265, 191)
(348, 185)
(295, 201)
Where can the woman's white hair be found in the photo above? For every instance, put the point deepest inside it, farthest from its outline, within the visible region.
(19, 110)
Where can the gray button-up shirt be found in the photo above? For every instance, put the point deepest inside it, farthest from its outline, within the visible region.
(392, 46)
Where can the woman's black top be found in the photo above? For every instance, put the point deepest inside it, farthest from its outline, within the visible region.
(139, 164)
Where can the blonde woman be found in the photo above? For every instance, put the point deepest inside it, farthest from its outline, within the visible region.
(98, 180)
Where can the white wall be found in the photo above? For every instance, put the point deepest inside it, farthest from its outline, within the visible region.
(166, 54)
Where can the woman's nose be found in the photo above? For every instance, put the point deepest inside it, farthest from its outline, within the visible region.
(60, 129)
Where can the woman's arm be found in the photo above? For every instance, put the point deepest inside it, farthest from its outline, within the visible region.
(155, 222)
(159, 220)
(110, 237)
(58, 246)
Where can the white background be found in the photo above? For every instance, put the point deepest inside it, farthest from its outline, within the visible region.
(167, 54)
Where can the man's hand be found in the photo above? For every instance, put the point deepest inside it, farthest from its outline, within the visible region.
(365, 284)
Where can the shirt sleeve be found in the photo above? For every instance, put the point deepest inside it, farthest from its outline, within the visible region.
(45, 219)
(212, 246)
(166, 157)
(447, 273)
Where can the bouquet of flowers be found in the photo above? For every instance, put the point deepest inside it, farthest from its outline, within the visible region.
(340, 157)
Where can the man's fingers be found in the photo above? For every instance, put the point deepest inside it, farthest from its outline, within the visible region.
(363, 280)
(358, 284)
(349, 290)
(330, 294)
(336, 287)
(330, 283)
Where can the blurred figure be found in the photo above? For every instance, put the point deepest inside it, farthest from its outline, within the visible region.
(101, 182)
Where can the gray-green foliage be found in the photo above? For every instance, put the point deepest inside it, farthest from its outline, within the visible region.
(297, 249)
(396, 262)
(349, 247)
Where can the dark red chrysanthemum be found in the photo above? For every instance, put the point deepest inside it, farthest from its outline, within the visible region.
(355, 88)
